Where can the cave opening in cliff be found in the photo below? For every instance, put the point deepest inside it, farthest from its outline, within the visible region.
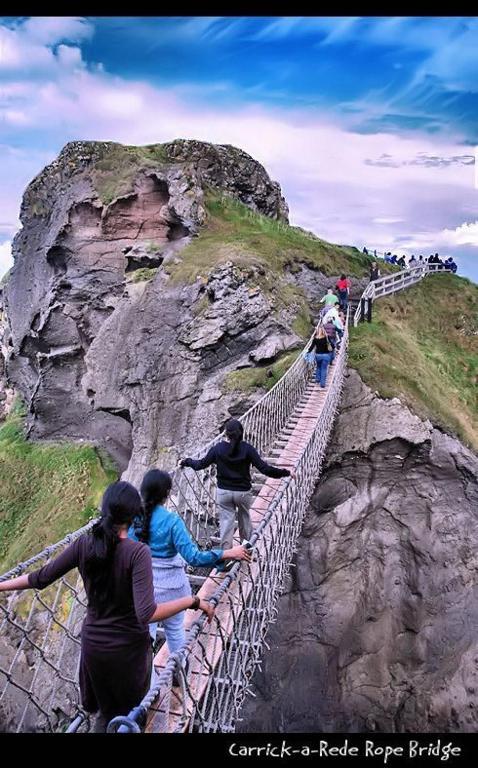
(58, 257)
(177, 230)
(137, 261)
(121, 413)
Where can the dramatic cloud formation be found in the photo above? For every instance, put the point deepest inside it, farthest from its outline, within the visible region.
(394, 187)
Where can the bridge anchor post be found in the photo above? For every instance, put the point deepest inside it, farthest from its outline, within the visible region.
(369, 310)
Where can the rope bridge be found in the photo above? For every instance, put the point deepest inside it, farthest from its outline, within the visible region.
(39, 631)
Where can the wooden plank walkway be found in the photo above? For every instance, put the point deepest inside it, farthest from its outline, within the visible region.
(169, 712)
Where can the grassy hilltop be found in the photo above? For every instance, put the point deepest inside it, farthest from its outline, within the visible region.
(233, 232)
(422, 347)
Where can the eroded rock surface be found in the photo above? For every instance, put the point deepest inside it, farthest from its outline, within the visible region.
(315, 285)
(378, 628)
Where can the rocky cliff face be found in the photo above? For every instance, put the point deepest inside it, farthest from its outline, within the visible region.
(378, 628)
(124, 364)
(6, 392)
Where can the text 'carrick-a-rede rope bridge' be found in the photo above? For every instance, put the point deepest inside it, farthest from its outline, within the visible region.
(39, 631)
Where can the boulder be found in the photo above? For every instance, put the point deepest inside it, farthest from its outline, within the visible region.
(268, 350)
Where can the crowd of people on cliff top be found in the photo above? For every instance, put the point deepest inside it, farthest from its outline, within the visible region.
(416, 261)
(132, 563)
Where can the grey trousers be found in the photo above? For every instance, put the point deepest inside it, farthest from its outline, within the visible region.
(228, 503)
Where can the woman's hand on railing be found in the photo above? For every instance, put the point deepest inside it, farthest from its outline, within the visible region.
(237, 553)
(207, 608)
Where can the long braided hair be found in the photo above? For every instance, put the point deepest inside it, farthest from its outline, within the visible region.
(120, 504)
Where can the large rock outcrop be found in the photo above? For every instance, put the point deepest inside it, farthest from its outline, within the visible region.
(124, 364)
(378, 627)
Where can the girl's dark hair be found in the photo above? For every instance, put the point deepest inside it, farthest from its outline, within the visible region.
(121, 503)
(154, 490)
(343, 277)
(234, 431)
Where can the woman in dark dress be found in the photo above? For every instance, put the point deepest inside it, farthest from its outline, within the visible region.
(116, 654)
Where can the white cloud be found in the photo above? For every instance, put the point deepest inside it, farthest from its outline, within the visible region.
(69, 57)
(280, 28)
(456, 62)
(385, 220)
(28, 48)
(448, 46)
(331, 29)
(15, 117)
(18, 169)
(460, 242)
(6, 260)
(48, 30)
(19, 53)
(465, 234)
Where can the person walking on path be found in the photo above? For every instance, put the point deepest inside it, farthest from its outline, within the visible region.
(343, 286)
(116, 653)
(374, 271)
(332, 332)
(171, 547)
(329, 299)
(332, 315)
(233, 458)
(322, 348)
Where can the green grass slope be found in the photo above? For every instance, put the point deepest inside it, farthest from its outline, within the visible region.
(422, 347)
(46, 490)
(115, 172)
(233, 232)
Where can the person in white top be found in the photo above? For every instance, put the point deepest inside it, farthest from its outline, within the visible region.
(332, 316)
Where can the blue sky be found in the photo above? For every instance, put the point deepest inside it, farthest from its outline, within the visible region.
(369, 124)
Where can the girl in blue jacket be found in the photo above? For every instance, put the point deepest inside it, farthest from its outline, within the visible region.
(171, 547)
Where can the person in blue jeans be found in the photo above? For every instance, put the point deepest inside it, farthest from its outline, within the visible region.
(322, 348)
(171, 547)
